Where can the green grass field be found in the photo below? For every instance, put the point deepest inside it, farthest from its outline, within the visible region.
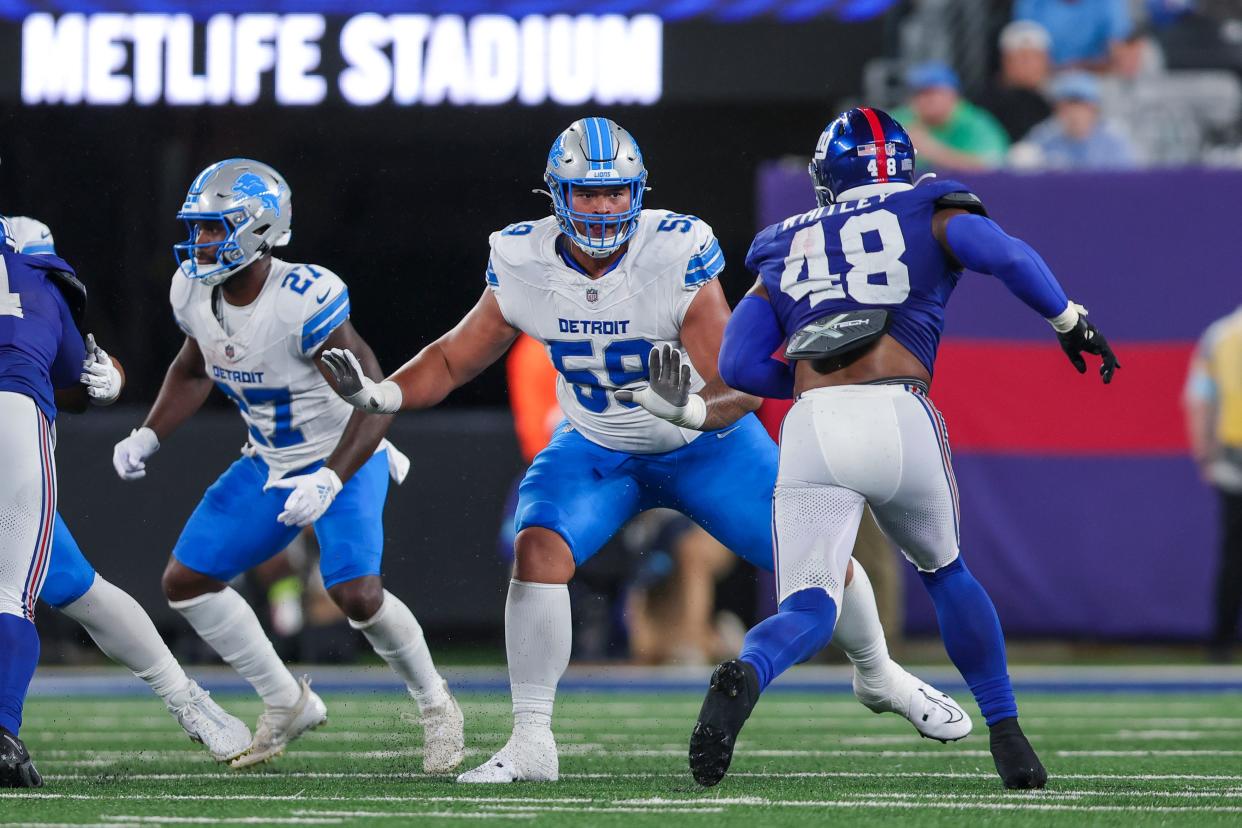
(1123, 759)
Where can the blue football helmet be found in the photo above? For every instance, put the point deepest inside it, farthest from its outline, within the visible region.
(862, 146)
(595, 152)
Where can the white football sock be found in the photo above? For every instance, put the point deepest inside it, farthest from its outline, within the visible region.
(397, 638)
(124, 632)
(225, 621)
(858, 631)
(538, 633)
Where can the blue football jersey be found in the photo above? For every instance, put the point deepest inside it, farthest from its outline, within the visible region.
(40, 346)
(875, 252)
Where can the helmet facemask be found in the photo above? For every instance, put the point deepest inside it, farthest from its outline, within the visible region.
(229, 258)
(596, 234)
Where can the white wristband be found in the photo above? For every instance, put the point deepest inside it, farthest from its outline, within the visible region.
(693, 413)
(1065, 321)
(380, 398)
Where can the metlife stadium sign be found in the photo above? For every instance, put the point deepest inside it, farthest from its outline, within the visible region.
(365, 53)
(408, 59)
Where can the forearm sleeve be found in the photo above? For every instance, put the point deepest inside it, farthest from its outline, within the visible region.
(980, 244)
(746, 363)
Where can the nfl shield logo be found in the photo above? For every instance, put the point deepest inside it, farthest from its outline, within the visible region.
(592, 295)
(228, 351)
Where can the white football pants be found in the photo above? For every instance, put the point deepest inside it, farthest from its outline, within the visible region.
(27, 503)
(844, 446)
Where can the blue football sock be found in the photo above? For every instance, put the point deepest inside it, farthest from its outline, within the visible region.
(802, 627)
(972, 637)
(19, 654)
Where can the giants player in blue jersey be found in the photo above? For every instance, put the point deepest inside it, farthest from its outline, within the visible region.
(41, 352)
(857, 289)
(614, 291)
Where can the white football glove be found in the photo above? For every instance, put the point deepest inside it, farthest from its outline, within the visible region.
(311, 496)
(356, 388)
(668, 394)
(102, 380)
(129, 457)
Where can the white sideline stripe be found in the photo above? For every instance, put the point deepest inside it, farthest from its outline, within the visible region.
(1136, 753)
(134, 819)
(602, 809)
(418, 814)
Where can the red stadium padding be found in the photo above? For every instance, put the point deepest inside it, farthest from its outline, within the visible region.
(1001, 397)
(1017, 398)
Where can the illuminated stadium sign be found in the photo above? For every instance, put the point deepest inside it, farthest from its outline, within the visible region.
(407, 59)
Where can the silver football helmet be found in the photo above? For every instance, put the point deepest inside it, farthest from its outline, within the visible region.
(595, 152)
(254, 204)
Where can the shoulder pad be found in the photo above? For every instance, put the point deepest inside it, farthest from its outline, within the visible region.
(74, 292)
(319, 307)
(961, 200)
(518, 245)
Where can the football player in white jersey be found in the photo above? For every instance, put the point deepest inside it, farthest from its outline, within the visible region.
(254, 326)
(614, 292)
(114, 620)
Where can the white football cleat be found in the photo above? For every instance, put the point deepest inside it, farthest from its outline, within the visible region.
(278, 726)
(529, 756)
(935, 715)
(444, 740)
(207, 723)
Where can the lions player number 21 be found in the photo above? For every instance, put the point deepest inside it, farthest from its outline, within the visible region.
(10, 303)
(809, 248)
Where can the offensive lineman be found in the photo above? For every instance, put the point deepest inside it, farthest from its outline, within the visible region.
(858, 288)
(254, 326)
(612, 289)
(114, 620)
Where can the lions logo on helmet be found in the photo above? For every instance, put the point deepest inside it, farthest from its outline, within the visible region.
(862, 146)
(595, 152)
(253, 203)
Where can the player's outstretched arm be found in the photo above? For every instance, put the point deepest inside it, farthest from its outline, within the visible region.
(668, 393)
(478, 340)
(980, 244)
(751, 337)
(186, 385)
(362, 433)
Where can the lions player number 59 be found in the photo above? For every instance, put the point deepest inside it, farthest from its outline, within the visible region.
(625, 361)
(809, 249)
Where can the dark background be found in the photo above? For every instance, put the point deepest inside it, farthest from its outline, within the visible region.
(400, 201)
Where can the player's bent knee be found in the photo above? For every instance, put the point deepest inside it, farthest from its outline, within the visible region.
(180, 583)
(360, 598)
(542, 557)
(818, 605)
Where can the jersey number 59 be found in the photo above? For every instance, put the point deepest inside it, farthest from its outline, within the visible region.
(625, 361)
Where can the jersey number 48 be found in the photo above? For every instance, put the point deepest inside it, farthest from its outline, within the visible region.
(808, 251)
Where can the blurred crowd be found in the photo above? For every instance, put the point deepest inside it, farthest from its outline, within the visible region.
(1082, 85)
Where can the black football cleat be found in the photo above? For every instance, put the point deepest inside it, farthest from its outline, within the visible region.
(16, 768)
(730, 698)
(1016, 762)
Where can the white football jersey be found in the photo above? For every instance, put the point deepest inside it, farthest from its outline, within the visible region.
(600, 332)
(266, 366)
(26, 235)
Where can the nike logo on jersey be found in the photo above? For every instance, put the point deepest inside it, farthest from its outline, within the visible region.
(46, 234)
(321, 299)
(720, 435)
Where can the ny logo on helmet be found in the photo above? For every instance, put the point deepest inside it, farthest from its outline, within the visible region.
(249, 185)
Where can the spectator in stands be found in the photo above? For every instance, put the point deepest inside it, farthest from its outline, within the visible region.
(1085, 33)
(1076, 137)
(1017, 98)
(1213, 404)
(949, 131)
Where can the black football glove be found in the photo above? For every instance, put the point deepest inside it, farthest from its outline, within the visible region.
(1083, 337)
